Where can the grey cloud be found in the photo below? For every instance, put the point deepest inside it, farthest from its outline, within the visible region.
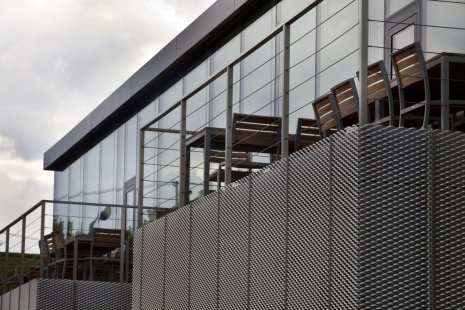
(60, 59)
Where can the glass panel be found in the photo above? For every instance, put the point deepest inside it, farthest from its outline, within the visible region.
(196, 77)
(337, 60)
(291, 7)
(376, 31)
(171, 96)
(258, 30)
(197, 110)
(302, 69)
(107, 159)
(225, 55)
(404, 37)
(218, 102)
(147, 114)
(91, 172)
(61, 184)
(75, 179)
(257, 82)
(395, 5)
(445, 40)
(120, 160)
(130, 162)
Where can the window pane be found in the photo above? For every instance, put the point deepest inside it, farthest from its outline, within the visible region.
(445, 40)
(131, 149)
(225, 55)
(196, 77)
(107, 159)
(395, 5)
(403, 37)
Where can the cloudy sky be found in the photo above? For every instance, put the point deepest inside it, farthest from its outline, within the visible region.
(58, 60)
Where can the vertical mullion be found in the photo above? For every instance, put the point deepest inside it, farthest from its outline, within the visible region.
(140, 200)
(285, 86)
(363, 61)
(229, 125)
(183, 163)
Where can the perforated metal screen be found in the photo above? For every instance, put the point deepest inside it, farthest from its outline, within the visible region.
(48, 294)
(371, 218)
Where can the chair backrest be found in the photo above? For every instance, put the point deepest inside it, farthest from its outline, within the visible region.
(346, 99)
(324, 108)
(219, 156)
(106, 238)
(60, 243)
(410, 67)
(256, 133)
(379, 91)
(48, 245)
(307, 133)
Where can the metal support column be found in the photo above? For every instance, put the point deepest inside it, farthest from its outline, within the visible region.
(42, 234)
(285, 87)
(140, 200)
(123, 246)
(183, 163)
(5, 262)
(23, 249)
(363, 61)
(229, 126)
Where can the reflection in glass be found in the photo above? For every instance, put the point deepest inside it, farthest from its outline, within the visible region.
(130, 162)
(445, 14)
(403, 38)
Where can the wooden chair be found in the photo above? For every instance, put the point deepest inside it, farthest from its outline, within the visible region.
(48, 254)
(256, 133)
(379, 95)
(324, 108)
(346, 103)
(104, 241)
(410, 68)
(307, 133)
(63, 263)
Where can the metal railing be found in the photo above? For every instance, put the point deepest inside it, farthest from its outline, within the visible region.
(25, 253)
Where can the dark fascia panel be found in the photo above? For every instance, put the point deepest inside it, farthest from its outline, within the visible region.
(57, 157)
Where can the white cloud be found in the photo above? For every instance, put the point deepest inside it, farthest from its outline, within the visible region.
(59, 59)
(22, 181)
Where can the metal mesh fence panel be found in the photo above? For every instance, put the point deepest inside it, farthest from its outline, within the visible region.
(343, 269)
(371, 218)
(393, 237)
(137, 256)
(32, 294)
(203, 284)
(308, 228)
(177, 259)
(233, 246)
(153, 269)
(102, 295)
(54, 294)
(449, 220)
(268, 237)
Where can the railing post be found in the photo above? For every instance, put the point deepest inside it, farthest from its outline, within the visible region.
(363, 61)
(229, 126)
(183, 163)
(5, 263)
(122, 272)
(42, 234)
(285, 87)
(23, 249)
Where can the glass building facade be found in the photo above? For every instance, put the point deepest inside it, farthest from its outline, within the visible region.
(324, 51)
